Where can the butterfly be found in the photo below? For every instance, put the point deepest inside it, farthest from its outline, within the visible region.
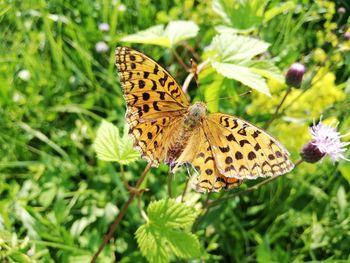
(224, 150)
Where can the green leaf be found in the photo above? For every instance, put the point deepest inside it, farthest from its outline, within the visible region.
(184, 245)
(243, 14)
(244, 75)
(153, 35)
(263, 252)
(266, 69)
(152, 243)
(232, 56)
(169, 213)
(110, 147)
(233, 48)
(212, 92)
(281, 8)
(175, 32)
(168, 231)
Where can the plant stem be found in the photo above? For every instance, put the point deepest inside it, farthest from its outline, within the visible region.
(179, 59)
(170, 179)
(185, 190)
(121, 214)
(278, 108)
(190, 76)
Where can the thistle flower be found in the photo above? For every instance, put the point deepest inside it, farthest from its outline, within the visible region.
(295, 75)
(325, 141)
(347, 36)
(101, 47)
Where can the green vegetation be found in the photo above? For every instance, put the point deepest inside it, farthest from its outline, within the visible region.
(61, 188)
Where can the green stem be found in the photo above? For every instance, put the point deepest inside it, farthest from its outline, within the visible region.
(278, 108)
(170, 179)
(121, 214)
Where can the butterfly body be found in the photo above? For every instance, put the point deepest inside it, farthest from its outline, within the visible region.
(195, 115)
(223, 149)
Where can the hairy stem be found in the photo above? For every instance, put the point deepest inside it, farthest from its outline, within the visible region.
(113, 227)
(179, 59)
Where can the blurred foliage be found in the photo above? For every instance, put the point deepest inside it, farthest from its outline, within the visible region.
(57, 85)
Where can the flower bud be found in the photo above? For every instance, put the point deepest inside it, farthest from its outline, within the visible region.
(295, 74)
(347, 36)
(341, 10)
(310, 153)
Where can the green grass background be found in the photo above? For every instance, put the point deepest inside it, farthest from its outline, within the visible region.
(57, 200)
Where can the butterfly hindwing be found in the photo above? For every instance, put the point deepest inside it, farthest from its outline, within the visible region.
(199, 154)
(243, 150)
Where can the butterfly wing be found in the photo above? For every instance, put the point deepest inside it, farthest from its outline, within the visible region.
(155, 102)
(244, 151)
(198, 152)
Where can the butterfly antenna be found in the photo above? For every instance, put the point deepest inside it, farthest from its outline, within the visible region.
(231, 97)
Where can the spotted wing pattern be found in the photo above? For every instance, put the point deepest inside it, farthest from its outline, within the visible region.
(200, 155)
(223, 150)
(244, 151)
(154, 101)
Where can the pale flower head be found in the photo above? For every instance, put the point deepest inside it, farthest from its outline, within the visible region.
(104, 27)
(122, 8)
(24, 74)
(325, 141)
(101, 47)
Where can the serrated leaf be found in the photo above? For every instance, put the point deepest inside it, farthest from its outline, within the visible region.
(184, 245)
(244, 75)
(110, 147)
(165, 232)
(232, 56)
(233, 48)
(169, 213)
(175, 32)
(151, 243)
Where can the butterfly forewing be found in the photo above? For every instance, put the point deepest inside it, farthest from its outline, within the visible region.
(154, 99)
(243, 150)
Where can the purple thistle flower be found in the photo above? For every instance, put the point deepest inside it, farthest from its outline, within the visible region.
(325, 141)
(295, 75)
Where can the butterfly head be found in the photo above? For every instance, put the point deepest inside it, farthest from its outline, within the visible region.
(195, 114)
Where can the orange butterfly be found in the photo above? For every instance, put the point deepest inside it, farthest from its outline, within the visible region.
(223, 149)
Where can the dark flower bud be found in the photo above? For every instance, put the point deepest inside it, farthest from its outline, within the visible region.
(347, 36)
(295, 74)
(310, 153)
(341, 10)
